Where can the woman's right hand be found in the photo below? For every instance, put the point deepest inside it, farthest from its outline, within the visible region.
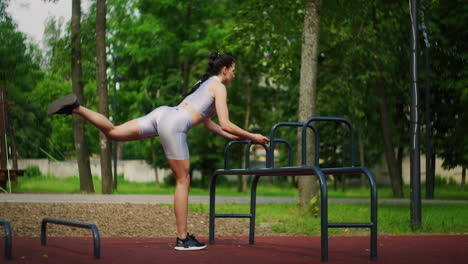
(260, 139)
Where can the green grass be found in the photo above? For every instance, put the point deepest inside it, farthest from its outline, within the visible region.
(50, 184)
(392, 219)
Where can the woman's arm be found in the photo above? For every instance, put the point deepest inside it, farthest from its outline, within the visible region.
(213, 127)
(226, 125)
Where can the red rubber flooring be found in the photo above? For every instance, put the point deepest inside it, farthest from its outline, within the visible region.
(236, 250)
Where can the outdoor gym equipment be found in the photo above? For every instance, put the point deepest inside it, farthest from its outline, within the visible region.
(97, 247)
(6, 226)
(303, 170)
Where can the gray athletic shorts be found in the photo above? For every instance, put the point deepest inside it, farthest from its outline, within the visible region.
(171, 125)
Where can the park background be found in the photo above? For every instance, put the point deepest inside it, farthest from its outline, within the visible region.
(157, 49)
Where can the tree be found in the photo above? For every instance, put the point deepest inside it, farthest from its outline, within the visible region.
(449, 57)
(308, 89)
(81, 146)
(106, 166)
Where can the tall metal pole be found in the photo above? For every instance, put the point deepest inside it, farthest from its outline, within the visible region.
(114, 109)
(414, 122)
(427, 45)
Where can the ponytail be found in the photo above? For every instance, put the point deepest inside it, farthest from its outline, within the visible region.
(215, 64)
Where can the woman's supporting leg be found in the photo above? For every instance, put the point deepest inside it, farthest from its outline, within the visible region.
(180, 168)
(126, 132)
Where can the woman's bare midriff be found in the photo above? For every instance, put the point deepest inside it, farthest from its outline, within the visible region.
(196, 117)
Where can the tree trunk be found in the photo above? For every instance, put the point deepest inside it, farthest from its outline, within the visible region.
(400, 162)
(307, 91)
(106, 165)
(81, 146)
(385, 124)
(390, 156)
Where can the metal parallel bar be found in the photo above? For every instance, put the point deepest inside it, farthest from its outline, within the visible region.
(233, 215)
(352, 225)
(45, 221)
(212, 208)
(8, 241)
(272, 135)
(304, 145)
(373, 216)
(288, 145)
(323, 212)
(249, 144)
(332, 119)
(253, 206)
(228, 146)
(309, 170)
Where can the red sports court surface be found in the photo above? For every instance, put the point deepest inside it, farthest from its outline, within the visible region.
(236, 250)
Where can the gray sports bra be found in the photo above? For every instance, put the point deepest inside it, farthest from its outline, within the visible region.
(201, 99)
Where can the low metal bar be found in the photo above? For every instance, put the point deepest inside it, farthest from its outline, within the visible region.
(45, 221)
(233, 215)
(352, 225)
(8, 240)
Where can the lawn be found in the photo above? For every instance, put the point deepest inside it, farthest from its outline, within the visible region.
(50, 184)
(393, 218)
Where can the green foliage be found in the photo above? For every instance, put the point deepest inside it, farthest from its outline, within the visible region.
(393, 219)
(449, 82)
(32, 171)
(163, 46)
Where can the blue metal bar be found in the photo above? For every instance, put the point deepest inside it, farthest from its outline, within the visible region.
(8, 242)
(332, 119)
(352, 225)
(323, 212)
(212, 208)
(303, 170)
(288, 124)
(233, 215)
(97, 247)
(253, 206)
(249, 144)
(288, 145)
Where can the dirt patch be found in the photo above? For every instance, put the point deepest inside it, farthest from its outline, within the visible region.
(116, 220)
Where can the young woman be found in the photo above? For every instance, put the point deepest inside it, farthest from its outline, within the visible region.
(207, 98)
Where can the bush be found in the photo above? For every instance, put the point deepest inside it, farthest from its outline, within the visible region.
(32, 171)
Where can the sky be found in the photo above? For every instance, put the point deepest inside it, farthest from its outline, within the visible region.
(31, 15)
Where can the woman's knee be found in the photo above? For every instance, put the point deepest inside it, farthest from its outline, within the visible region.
(183, 180)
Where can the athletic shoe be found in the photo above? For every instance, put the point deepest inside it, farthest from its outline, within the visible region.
(189, 243)
(64, 105)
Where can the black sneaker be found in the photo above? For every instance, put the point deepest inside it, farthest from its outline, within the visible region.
(64, 105)
(189, 243)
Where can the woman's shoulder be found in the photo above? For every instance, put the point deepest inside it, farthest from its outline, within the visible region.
(215, 86)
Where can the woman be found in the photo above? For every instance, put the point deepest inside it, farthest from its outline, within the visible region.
(207, 98)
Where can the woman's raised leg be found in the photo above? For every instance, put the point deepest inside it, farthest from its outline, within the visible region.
(125, 132)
